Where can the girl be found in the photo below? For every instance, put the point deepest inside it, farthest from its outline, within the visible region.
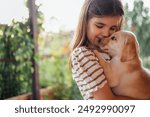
(98, 20)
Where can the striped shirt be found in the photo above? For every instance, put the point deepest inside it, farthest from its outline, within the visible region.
(87, 72)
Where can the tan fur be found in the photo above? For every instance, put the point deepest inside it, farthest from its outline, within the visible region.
(125, 72)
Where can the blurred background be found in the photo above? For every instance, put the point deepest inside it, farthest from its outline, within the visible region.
(56, 22)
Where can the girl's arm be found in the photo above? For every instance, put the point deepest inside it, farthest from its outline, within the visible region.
(105, 93)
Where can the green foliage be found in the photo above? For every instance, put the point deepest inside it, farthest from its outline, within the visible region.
(138, 21)
(16, 56)
(54, 70)
(57, 75)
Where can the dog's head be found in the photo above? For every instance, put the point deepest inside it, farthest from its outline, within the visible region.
(123, 44)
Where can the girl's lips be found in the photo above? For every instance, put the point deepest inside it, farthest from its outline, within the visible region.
(98, 40)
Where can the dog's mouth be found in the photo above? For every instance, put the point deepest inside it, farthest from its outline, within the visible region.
(104, 49)
(107, 51)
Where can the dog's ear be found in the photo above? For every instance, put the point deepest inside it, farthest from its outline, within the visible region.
(129, 50)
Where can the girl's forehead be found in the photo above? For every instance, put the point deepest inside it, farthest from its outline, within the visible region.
(108, 20)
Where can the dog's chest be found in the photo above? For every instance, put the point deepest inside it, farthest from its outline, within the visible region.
(118, 70)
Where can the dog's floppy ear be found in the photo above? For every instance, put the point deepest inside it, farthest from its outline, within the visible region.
(129, 50)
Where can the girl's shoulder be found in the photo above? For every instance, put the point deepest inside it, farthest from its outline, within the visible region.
(81, 49)
(82, 54)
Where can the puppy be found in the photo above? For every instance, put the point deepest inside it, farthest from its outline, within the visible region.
(125, 73)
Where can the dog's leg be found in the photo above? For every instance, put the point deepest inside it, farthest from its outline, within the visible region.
(102, 61)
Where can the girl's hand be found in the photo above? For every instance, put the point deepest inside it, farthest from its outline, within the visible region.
(108, 70)
(102, 61)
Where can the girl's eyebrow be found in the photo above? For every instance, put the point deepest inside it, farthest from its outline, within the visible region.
(114, 26)
(99, 23)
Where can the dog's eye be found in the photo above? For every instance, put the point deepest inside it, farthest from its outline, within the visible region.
(113, 38)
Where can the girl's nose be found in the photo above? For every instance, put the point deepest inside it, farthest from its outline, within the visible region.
(106, 33)
(104, 42)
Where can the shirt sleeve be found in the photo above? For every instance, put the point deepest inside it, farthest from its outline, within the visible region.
(87, 72)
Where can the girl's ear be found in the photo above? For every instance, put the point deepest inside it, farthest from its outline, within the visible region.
(129, 50)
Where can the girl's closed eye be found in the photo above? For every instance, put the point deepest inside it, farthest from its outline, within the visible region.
(99, 25)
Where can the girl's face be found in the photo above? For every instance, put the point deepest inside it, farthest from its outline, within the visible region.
(99, 28)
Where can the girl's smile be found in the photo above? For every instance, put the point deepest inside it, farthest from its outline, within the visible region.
(99, 28)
